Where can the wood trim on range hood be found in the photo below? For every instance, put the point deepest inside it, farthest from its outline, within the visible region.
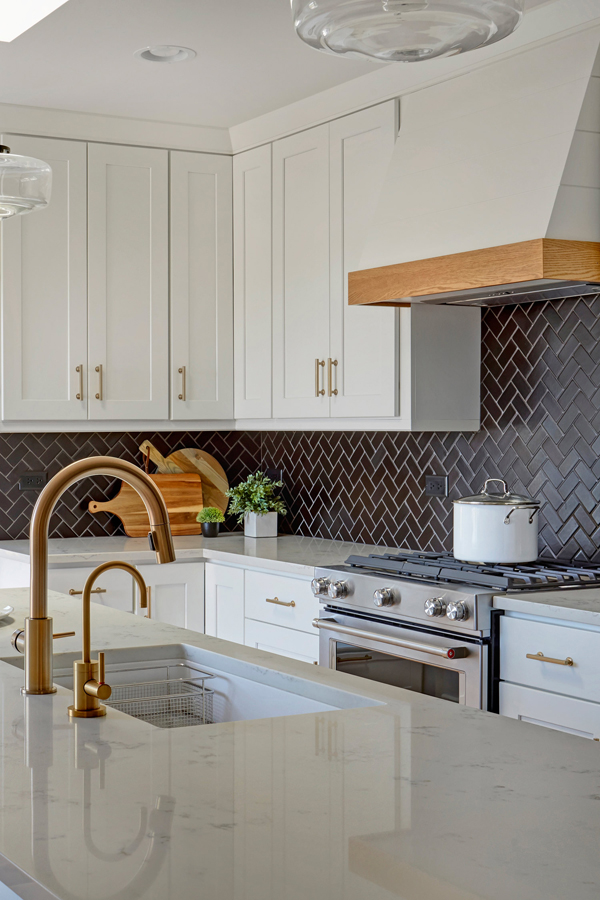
(523, 268)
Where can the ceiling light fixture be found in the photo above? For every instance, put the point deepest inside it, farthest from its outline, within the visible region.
(165, 53)
(18, 17)
(404, 30)
(25, 183)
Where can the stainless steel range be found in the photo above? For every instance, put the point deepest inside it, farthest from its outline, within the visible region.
(424, 621)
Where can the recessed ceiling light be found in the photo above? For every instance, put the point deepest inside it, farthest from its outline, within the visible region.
(19, 17)
(165, 53)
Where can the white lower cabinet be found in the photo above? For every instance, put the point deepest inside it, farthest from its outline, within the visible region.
(224, 590)
(550, 674)
(177, 591)
(267, 610)
(283, 641)
(114, 588)
(176, 594)
(551, 710)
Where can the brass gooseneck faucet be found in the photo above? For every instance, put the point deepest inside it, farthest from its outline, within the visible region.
(89, 686)
(37, 639)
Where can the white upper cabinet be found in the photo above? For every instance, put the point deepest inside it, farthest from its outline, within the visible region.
(252, 282)
(128, 282)
(44, 293)
(301, 274)
(363, 342)
(201, 287)
(413, 369)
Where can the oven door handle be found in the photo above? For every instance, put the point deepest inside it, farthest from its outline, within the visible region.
(444, 652)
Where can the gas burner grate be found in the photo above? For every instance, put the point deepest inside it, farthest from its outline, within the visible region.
(541, 575)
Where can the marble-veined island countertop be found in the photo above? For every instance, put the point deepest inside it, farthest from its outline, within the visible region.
(412, 798)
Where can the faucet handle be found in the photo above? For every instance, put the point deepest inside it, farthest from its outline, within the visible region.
(62, 634)
(99, 688)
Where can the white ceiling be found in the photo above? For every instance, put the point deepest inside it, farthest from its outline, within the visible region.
(249, 61)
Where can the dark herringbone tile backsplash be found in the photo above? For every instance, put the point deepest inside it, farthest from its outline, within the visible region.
(540, 421)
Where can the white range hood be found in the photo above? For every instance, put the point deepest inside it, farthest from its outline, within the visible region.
(505, 157)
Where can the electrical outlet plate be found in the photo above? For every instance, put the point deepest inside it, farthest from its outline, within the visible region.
(436, 485)
(33, 481)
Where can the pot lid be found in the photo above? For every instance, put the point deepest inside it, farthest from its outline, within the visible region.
(498, 499)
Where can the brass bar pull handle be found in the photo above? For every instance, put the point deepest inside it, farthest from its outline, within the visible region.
(62, 634)
(74, 593)
(149, 601)
(319, 391)
(279, 602)
(99, 371)
(182, 395)
(557, 662)
(332, 392)
(79, 395)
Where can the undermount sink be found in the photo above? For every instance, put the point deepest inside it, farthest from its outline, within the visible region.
(180, 685)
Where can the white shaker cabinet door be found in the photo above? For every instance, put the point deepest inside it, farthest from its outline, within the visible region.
(224, 587)
(44, 292)
(301, 274)
(128, 282)
(252, 286)
(363, 367)
(114, 588)
(201, 287)
(176, 594)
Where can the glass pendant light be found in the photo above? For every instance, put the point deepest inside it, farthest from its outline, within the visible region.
(404, 30)
(25, 183)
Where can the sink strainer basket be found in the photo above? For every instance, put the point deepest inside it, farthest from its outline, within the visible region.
(168, 703)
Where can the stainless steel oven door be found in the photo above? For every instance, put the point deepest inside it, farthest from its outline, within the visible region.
(425, 661)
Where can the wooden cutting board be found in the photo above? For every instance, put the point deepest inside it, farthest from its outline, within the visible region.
(183, 496)
(192, 460)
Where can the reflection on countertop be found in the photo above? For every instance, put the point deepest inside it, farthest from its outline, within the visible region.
(416, 798)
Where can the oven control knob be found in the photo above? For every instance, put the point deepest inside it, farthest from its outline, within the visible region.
(436, 606)
(457, 609)
(337, 589)
(383, 597)
(319, 586)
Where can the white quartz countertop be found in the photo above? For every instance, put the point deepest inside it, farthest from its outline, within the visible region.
(290, 552)
(581, 605)
(413, 798)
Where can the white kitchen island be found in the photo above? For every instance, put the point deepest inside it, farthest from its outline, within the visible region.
(412, 797)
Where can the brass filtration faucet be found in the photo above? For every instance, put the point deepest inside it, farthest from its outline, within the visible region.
(89, 686)
(37, 639)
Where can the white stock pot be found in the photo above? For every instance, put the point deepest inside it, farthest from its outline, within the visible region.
(496, 528)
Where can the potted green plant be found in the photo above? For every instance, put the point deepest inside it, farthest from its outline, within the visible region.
(210, 518)
(256, 503)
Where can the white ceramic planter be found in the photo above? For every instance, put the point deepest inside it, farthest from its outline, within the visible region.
(260, 526)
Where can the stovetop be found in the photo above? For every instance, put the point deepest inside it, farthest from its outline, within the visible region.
(442, 568)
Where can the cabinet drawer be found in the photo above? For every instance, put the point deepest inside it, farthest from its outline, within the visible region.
(284, 641)
(550, 710)
(519, 637)
(262, 589)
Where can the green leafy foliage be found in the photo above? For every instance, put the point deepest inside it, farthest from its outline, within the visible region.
(257, 494)
(210, 514)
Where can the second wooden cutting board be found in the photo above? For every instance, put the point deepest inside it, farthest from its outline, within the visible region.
(192, 460)
(183, 496)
